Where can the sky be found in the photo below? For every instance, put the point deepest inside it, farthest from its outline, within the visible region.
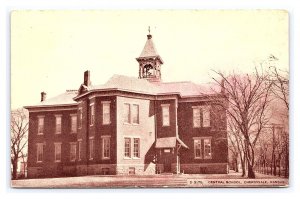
(50, 50)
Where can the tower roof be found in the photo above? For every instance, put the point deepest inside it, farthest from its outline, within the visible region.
(149, 50)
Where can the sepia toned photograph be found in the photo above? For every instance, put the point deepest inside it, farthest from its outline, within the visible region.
(149, 98)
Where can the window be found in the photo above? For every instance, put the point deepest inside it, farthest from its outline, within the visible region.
(198, 112)
(92, 114)
(131, 170)
(127, 148)
(105, 147)
(135, 114)
(167, 150)
(58, 124)
(105, 171)
(197, 149)
(206, 116)
(131, 113)
(207, 148)
(79, 149)
(73, 151)
(126, 113)
(40, 150)
(202, 148)
(57, 152)
(80, 117)
(196, 117)
(41, 125)
(136, 147)
(165, 114)
(106, 112)
(73, 123)
(91, 147)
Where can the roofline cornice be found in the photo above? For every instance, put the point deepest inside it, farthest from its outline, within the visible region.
(127, 91)
(51, 106)
(150, 57)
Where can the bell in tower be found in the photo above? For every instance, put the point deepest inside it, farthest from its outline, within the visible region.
(150, 61)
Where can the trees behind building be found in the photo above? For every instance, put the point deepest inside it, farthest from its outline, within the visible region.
(257, 130)
(18, 138)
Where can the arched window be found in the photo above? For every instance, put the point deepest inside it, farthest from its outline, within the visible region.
(148, 70)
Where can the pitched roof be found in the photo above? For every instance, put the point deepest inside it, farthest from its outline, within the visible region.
(65, 98)
(133, 84)
(168, 142)
(125, 83)
(185, 89)
(149, 49)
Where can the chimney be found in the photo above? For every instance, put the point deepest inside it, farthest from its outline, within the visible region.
(43, 96)
(87, 81)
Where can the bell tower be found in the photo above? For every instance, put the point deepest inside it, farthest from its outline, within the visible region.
(149, 61)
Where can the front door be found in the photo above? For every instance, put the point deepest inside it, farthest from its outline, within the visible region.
(167, 160)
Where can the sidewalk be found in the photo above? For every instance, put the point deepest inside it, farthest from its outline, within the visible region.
(100, 181)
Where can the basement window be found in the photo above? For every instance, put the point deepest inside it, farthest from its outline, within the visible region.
(131, 171)
(105, 171)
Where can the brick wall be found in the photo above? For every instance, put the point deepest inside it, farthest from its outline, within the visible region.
(217, 132)
(166, 131)
(49, 137)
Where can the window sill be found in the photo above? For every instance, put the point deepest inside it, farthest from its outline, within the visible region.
(72, 160)
(57, 161)
(198, 158)
(133, 124)
(40, 134)
(39, 162)
(136, 158)
(127, 158)
(91, 159)
(103, 158)
(106, 124)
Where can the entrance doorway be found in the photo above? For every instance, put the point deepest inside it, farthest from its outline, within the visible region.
(167, 160)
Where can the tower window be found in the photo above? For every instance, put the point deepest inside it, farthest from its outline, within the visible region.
(148, 70)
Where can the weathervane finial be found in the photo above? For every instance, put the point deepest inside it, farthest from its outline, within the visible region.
(149, 36)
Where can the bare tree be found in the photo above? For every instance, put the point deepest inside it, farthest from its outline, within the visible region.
(19, 131)
(280, 82)
(236, 144)
(248, 97)
(280, 90)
